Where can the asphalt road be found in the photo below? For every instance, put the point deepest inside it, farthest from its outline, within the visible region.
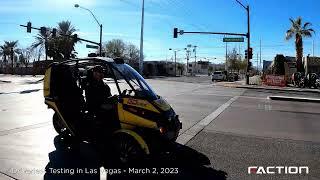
(251, 131)
(256, 131)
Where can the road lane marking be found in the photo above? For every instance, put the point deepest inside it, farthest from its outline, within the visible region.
(186, 136)
(24, 128)
(7, 175)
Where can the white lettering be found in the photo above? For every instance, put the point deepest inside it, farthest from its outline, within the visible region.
(293, 170)
(278, 170)
(268, 170)
(261, 170)
(304, 167)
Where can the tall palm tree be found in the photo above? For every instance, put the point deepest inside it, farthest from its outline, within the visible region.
(4, 53)
(63, 46)
(66, 28)
(299, 32)
(7, 49)
(41, 42)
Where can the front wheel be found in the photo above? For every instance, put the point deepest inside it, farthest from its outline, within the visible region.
(57, 123)
(126, 151)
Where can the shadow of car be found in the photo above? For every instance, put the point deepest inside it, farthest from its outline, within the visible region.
(84, 163)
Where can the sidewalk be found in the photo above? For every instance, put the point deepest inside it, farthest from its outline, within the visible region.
(241, 84)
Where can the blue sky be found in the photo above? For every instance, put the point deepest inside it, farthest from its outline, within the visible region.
(122, 18)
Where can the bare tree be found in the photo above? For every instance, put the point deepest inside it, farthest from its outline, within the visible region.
(115, 48)
(132, 53)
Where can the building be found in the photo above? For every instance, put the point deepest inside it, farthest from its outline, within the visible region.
(160, 68)
(266, 65)
(311, 64)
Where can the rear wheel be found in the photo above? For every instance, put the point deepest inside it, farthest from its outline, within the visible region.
(126, 150)
(57, 124)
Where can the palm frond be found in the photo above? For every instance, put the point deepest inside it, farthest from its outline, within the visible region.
(299, 21)
(289, 34)
(306, 25)
(306, 33)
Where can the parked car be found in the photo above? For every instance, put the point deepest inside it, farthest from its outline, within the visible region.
(219, 76)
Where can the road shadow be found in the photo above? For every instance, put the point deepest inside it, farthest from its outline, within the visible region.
(81, 163)
(3, 81)
(22, 92)
(33, 82)
(184, 163)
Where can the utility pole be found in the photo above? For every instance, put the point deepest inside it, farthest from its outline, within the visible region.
(248, 38)
(195, 59)
(141, 40)
(187, 61)
(257, 62)
(175, 63)
(226, 64)
(12, 54)
(260, 56)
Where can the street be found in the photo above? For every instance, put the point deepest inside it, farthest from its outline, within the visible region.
(250, 130)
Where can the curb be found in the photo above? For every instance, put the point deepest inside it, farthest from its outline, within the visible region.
(275, 89)
(298, 99)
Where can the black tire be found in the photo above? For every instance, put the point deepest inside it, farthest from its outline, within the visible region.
(126, 151)
(57, 124)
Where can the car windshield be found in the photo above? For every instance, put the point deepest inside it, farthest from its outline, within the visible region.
(217, 72)
(130, 80)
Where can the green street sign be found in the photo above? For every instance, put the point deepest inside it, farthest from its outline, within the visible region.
(92, 46)
(238, 39)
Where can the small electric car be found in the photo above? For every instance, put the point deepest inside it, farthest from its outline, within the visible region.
(146, 120)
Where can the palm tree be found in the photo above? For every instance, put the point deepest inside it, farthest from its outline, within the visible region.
(9, 48)
(64, 45)
(299, 32)
(41, 42)
(4, 52)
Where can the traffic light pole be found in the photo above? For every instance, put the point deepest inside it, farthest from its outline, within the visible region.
(248, 37)
(100, 44)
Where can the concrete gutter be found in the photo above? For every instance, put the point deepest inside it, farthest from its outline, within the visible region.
(317, 91)
(298, 99)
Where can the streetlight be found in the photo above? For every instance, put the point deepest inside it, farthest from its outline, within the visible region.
(78, 6)
(141, 40)
(175, 58)
(248, 38)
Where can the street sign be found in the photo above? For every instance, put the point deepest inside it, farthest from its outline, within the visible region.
(92, 46)
(238, 39)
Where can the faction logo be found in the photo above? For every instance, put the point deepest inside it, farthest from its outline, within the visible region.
(278, 170)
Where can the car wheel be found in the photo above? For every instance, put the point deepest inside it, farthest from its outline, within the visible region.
(126, 151)
(57, 124)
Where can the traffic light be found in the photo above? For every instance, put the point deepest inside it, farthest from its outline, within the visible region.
(54, 32)
(246, 54)
(75, 37)
(29, 27)
(250, 53)
(175, 32)
(43, 30)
